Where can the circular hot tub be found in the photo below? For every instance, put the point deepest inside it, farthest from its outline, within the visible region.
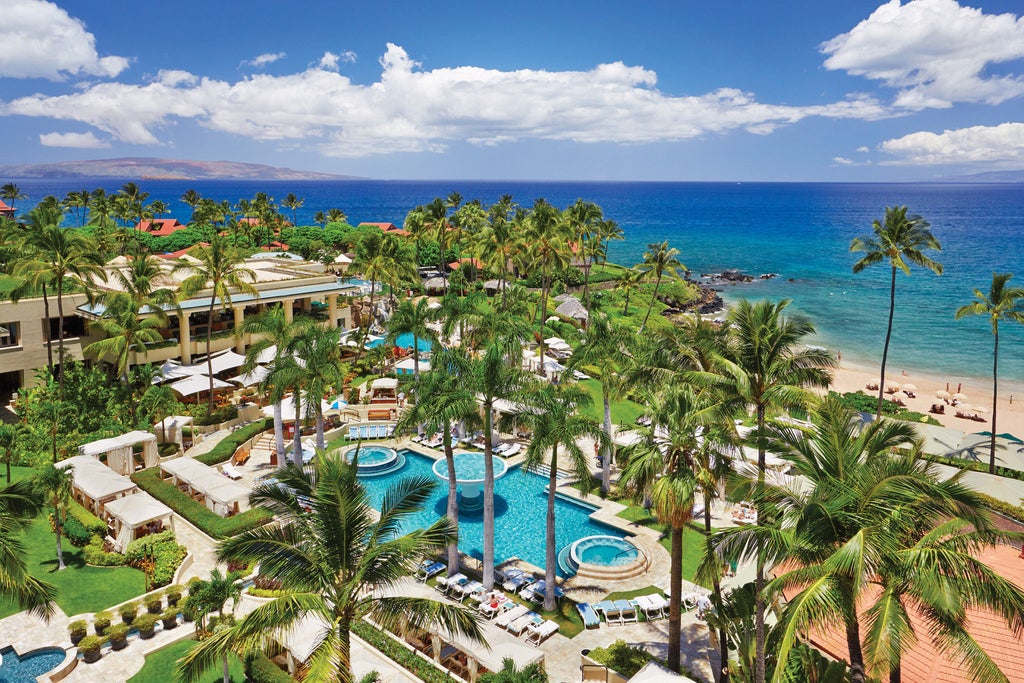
(376, 460)
(605, 557)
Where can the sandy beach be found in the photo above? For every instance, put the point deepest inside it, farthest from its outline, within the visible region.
(855, 377)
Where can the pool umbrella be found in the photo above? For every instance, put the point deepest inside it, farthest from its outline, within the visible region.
(892, 387)
(338, 403)
(942, 393)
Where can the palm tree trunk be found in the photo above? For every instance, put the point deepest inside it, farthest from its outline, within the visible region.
(625, 307)
(606, 465)
(543, 318)
(415, 357)
(675, 589)
(759, 603)
(209, 360)
(586, 285)
(279, 433)
(57, 524)
(856, 655)
(896, 672)
(49, 337)
(227, 672)
(320, 443)
(650, 306)
(453, 501)
(345, 650)
(60, 336)
(550, 556)
(488, 577)
(716, 595)
(885, 349)
(995, 400)
(297, 442)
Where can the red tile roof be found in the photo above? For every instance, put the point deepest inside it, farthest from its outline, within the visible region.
(925, 663)
(5, 209)
(275, 246)
(475, 262)
(160, 227)
(386, 227)
(182, 252)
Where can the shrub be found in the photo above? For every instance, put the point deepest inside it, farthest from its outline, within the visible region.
(91, 644)
(203, 418)
(621, 657)
(95, 555)
(170, 618)
(267, 583)
(145, 623)
(118, 635)
(76, 534)
(173, 595)
(162, 549)
(100, 622)
(94, 524)
(229, 444)
(259, 669)
(265, 592)
(77, 630)
(154, 603)
(398, 653)
(128, 612)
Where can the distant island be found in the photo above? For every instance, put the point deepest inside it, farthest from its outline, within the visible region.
(986, 177)
(149, 168)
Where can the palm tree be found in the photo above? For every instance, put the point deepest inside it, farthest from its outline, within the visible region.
(556, 421)
(1001, 303)
(220, 268)
(19, 504)
(901, 241)
(192, 199)
(547, 237)
(55, 484)
(336, 216)
(338, 561)
(659, 261)
(660, 467)
(294, 203)
(134, 198)
(767, 367)
(531, 673)
(209, 596)
(125, 332)
(439, 401)
(604, 352)
(413, 318)
(321, 218)
(9, 435)
(11, 193)
(584, 219)
(629, 282)
(321, 373)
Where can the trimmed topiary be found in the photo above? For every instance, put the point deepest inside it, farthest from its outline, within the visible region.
(173, 595)
(145, 623)
(154, 603)
(100, 622)
(169, 618)
(78, 630)
(128, 612)
(90, 648)
(118, 634)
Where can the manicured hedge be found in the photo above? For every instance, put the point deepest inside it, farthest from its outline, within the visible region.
(91, 522)
(1014, 512)
(166, 555)
(259, 669)
(401, 655)
(198, 514)
(229, 444)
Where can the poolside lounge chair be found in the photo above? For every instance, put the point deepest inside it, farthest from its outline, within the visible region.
(627, 612)
(512, 450)
(689, 601)
(429, 569)
(391, 429)
(353, 433)
(589, 616)
(445, 583)
(501, 448)
(507, 617)
(520, 624)
(229, 471)
(537, 634)
(462, 591)
(516, 582)
(490, 608)
(612, 614)
(535, 592)
(653, 606)
(363, 431)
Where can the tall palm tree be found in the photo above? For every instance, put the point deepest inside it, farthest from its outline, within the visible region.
(336, 216)
(660, 468)
(125, 332)
(547, 236)
(413, 317)
(219, 268)
(659, 261)
(294, 203)
(628, 283)
(191, 198)
(901, 242)
(605, 352)
(497, 243)
(55, 484)
(441, 400)
(584, 219)
(320, 373)
(321, 218)
(1001, 303)
(338, 561)
(766, 366)
(19, 504)
(134, 199)
(11, 193)
(556, 422)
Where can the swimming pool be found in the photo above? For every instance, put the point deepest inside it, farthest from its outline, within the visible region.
(520, 506)
(15, 669)
(376, 460)
(403, 341)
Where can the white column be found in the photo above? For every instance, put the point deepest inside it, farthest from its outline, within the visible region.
(184, 341)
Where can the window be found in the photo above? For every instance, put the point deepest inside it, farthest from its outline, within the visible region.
(9, 335)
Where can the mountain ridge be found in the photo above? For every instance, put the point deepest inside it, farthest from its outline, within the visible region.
(154, 168)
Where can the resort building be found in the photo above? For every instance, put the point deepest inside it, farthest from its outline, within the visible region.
(160, 227)
(5, 210)
(303, 287)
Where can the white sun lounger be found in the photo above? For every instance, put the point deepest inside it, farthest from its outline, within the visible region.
(536, 635)
(446, 583)
(511, 615)
(520, 624)
(229, 470)
(512, 450)
(653, 606)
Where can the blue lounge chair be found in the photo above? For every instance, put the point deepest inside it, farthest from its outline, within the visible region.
(589, 616)
(363, 431)
(353, 433)
(535, 592)
(429, 569)
(627, 612)
(516, 582)
(611, 613)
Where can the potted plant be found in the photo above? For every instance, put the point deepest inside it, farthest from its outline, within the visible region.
(146, 623)
(90, 648)
(100, 622)
(128, 612)
(78, 630)
(154, 604)
(170, 618)
(173, 595)
(118, 635)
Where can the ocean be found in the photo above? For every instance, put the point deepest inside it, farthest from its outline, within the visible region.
(801, 231)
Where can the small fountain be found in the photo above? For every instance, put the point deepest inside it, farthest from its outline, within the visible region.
(469, 474)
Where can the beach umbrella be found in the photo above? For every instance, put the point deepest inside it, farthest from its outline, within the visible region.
(979, 409)
(909, 387)
(960, 397)
(338, 403)
(942, 393)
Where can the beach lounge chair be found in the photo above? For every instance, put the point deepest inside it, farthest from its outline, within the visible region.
(611, 613)
(536, 635)
(501, 448)
(445, 584)
(589, 616)
(520, 624)
(429, 569)
(491, 607)
(468, 589)
(653, 606)
(512, 450)
(353, 433)
(627, 612)
(229, 471)
(689, 601)
(517, 581)
(363, 431)
(510, 615)
(535, 592)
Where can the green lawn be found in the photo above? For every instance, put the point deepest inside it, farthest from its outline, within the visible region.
(693, 538)
(160, 665)
(81, 588)
(624, 411)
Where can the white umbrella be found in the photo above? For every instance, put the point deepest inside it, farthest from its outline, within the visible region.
(892, 387)
(909, 388)
(960, 397)
(979, 409)
(258, 374)
(288, 408)
(942, 393)
(196, 384)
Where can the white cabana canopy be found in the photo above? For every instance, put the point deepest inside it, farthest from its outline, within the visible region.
(288, 408)
(131, 512)
(341, 258)
(169, 428)
(119, 450)
(267, 355)
(384, 383)
(258, 374)
(172, 370)
(196, 384)
(220, 493)
(96, 482)
(408, 365)
(557, 343)
(221, 361)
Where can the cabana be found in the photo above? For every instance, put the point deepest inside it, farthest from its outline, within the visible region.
(169, 429)
(407, 366)
(572, 308)
(196, 384)
(257, 375)
(94, 484)
(216, 491)
(136, 516)
(383, 390)
(224, 360)
(119, 451)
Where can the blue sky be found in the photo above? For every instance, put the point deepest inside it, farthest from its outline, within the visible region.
(681, 90)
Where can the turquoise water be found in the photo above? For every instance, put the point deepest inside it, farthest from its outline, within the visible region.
(800, 230)
(607, 552)
(520, 509)
(17, 669)
(403, 341)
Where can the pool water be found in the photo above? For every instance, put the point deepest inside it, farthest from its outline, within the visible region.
(606, 551)
(520, 512)
(403, 341)
(376, 460)
(15, 669)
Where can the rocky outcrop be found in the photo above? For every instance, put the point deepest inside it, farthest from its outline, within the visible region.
(733, 276)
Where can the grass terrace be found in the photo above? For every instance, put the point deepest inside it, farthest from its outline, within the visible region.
(693, 539)
(160, 664)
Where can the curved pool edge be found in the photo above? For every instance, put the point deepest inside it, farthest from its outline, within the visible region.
(58, 671)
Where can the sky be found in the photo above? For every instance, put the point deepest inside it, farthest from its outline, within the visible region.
(741, 90)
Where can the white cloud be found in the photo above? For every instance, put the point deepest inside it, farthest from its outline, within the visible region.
(410, 109)
(934, 51)
(842, 161)
(331, 60)
(76, 140)
(262, 60)
(863, 150)
(1002, 143)
(38, 39)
